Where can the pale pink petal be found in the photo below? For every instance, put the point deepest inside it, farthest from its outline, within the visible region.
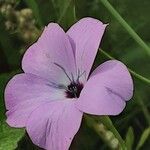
(51, 56)
(24, 93)
(115, 75)
(85, 37)
(52, 126)
(105, 93)
(18, 115)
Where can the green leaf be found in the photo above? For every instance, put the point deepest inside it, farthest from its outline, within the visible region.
(34, 6)
(9, 137)
(143, 138)
(129, 138)
(66, 9)
(48, 11)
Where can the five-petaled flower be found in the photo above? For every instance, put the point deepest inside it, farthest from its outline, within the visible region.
(56, 88)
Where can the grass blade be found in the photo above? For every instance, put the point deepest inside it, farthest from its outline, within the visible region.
(127, 27)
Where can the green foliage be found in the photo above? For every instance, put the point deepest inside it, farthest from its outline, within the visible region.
(8, 45)
(9, 137)
(108, 123)
(145, 135)
(66, 11)
(129, 138)
(126, 26)
(34, 6)
(47, 11)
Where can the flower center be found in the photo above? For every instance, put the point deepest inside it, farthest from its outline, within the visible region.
(74, 90)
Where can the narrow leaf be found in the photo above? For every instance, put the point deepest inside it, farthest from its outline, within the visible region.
(66, 12)
(129, 138)
(143, 138)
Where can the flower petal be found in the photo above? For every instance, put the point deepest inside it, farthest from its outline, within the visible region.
(18, 115)
(112, 85)
(51, 56)
(24, 93)
(56, 128)
(115, 75)
(85, 37)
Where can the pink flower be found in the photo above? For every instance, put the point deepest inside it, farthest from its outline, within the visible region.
(50, 98)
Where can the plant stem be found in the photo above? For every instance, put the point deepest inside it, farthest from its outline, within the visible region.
(138, 76)
(128, 28)
(105, 120)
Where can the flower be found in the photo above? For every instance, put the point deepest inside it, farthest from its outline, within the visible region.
(54, 91)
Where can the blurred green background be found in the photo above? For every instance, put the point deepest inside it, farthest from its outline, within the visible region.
(21, 23)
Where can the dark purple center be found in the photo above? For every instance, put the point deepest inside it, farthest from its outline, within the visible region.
(74, 90)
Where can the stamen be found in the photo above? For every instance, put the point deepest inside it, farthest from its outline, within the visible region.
(72, 77)
(84, 72)
(80, 75)
(74, 89)
(63, 70)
